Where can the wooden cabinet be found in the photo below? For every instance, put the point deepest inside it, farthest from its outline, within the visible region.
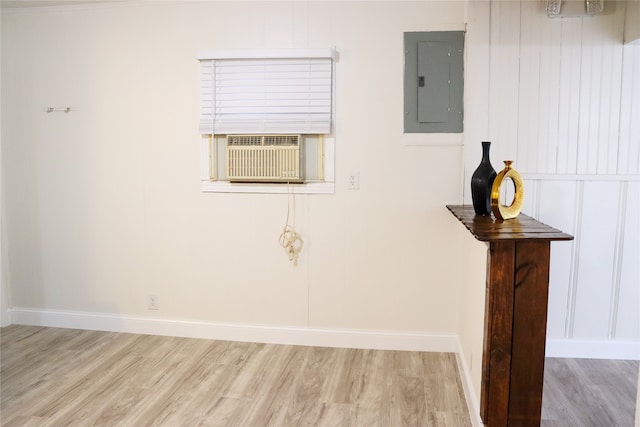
(515, 315)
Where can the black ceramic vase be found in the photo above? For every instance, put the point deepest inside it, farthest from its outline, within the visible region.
(481, 182)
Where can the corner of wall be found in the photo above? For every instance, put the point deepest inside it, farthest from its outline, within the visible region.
(4, 303)
(632, 22)
(637, 423)
(470, 395)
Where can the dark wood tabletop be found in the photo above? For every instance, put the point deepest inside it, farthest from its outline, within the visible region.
(487, 228)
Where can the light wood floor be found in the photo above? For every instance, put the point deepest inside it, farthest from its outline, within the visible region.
(71, 377)
(589, 393)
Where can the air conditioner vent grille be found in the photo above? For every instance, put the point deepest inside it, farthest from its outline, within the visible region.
(263, 158)
(281, 139)
(240, 140)
(244, 140)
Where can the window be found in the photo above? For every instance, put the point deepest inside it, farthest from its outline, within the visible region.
(267, 93)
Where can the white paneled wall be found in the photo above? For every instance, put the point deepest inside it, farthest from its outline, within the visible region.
(565, 103)
(594, 292)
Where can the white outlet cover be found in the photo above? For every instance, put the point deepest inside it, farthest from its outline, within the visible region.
(353, 181)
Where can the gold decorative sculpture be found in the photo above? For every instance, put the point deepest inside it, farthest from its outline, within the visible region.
(501, 211)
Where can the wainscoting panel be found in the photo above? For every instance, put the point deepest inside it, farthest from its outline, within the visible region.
(626, 315)
(598, 229)
(556, 205)
(594, 298)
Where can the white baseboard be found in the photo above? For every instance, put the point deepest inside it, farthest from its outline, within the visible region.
(593, 349)
(272, 334)
(473, 404)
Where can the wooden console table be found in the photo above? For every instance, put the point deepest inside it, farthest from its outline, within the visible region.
(515, 322)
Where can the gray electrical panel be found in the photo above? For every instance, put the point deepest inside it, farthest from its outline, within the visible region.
(433, 81)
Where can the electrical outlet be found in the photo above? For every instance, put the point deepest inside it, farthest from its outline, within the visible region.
(153, 302)
(353, 181)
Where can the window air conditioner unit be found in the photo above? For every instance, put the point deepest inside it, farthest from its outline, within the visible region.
(263, 158)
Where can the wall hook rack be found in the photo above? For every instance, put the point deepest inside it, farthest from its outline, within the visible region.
(58, 109)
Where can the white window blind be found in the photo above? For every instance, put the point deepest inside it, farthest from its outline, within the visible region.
(262, 92)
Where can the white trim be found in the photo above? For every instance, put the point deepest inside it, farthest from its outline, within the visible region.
(616, 277)
(473, 404)
(5, 316)
(575, 260)
(70, 5)
(267, 53)
(593, 349)
(579, 177)
(271, 334)
(207, 166)
(229, 187)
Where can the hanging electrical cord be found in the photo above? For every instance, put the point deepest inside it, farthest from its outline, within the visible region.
(290, 240)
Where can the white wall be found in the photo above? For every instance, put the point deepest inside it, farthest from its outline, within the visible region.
(637, 422)
(103, 204)
(471, 326)
(4, 303)
(564, 102)
(473, 254)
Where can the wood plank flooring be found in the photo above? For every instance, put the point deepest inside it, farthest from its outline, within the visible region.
(80, 378)
(589, 393)
(52, 377)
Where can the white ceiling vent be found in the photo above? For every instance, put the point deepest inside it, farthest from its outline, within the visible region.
(574, 8)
